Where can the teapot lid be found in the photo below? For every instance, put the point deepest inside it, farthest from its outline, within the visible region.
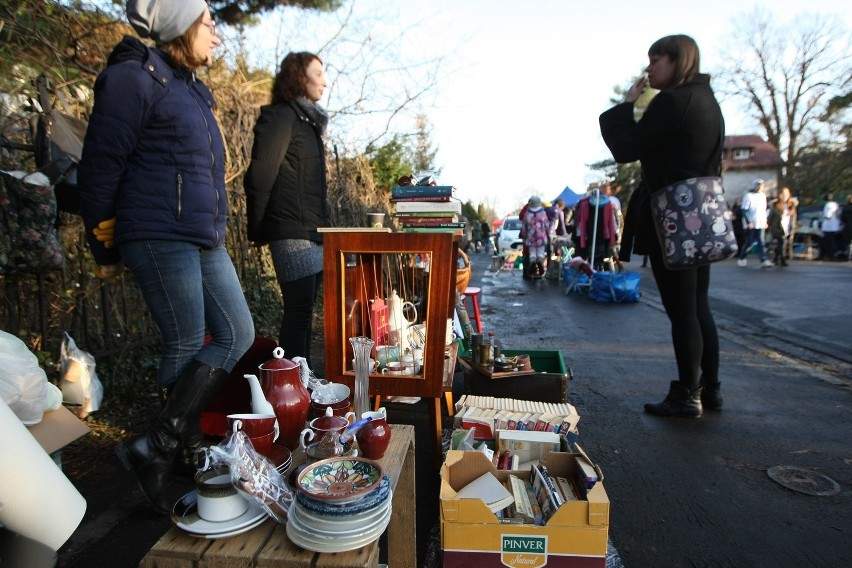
(278, 361)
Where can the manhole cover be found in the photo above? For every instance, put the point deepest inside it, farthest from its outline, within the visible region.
(803, 480)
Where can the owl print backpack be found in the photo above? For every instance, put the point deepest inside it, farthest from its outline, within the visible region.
(693, 223)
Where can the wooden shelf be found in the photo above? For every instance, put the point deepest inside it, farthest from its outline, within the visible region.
(355, 269)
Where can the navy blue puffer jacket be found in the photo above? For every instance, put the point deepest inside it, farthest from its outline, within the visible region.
(153, 157)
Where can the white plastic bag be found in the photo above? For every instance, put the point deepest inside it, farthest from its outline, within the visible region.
(23, 384)
(78, 380)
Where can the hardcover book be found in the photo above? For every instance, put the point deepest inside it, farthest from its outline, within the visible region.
(422, 198)
(398, 191)
(453, 206)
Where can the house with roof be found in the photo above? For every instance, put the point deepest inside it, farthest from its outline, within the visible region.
(746, 158)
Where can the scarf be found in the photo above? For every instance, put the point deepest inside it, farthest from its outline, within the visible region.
(315, 113)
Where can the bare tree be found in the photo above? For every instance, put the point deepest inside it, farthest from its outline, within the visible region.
(377, 84)
(786, 74)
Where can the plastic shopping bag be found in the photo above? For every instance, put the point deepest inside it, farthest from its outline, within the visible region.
(23, 384)
(615, 287)
(78, 380)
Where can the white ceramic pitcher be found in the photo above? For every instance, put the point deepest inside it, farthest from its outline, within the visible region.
(397, 324)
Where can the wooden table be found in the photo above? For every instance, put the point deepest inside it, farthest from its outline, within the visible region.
(268, 544)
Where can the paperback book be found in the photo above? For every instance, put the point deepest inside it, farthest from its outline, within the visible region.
(490, 490)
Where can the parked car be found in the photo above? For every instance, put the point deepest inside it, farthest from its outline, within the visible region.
(510, 234)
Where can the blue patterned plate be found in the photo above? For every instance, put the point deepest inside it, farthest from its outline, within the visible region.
(369, 501)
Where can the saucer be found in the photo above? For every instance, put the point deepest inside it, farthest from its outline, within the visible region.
(185, 517)
(315, 535)
(280, 457)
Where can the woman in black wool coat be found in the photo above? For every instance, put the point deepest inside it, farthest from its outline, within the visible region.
(678, 137)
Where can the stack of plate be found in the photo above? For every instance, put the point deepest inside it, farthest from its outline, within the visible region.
(341, 504)
(185, 517)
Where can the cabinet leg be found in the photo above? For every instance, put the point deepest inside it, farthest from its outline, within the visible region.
(435, 423)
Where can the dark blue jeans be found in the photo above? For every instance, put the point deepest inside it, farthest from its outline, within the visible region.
(190, 290)
(754, 236)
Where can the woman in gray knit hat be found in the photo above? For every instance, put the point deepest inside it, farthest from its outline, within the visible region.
(286, 192)
(152, 182)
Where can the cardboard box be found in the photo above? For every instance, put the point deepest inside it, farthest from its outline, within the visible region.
(57, 429)
(548, 384)
(471, 535)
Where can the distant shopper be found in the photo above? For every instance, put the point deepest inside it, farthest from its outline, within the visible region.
(846, 233)
(485, 230)
(737, 222)
(557, 227)
(830, 228)
(678, 137)
(782, 219)
(754, 214)
(610, 191)
(536, 234)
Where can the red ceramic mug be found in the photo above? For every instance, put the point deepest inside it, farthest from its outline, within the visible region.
(252, 424)
(263, 444)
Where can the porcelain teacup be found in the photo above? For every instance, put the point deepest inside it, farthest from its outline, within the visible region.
(218, 499)
(398, 368)
(386, 354)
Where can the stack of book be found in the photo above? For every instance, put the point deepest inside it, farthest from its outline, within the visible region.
(551, 492)
(427, 208)
(487, 414)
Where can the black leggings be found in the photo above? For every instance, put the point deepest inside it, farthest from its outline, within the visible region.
(296, 329)
(694, 336)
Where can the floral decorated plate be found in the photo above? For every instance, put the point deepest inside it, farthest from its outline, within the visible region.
(339, 479)
(366, 502)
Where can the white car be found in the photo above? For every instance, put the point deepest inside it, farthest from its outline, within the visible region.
(510, 234)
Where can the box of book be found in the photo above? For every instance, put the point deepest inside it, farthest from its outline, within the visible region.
(563, 522)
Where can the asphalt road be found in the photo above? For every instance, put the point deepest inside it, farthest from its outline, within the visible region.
(688, 492)
(683, 492)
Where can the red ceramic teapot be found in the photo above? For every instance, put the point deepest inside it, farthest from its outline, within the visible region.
(281, 381)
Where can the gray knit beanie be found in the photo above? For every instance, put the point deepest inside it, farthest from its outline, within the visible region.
(163, 20)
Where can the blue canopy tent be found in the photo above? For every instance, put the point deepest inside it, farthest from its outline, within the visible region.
(569, 196)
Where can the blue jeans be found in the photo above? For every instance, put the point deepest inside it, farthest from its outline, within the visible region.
(754, 236)
(189, 289)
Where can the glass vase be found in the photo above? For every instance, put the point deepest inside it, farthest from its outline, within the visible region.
(361, 349)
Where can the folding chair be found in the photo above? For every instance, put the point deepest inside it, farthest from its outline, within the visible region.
(510, 257)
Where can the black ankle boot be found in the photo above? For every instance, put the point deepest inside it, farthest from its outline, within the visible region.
(150, 456)
(680, 401)
(711, 395)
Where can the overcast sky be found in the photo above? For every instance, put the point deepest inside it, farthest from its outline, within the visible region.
(518, 112)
